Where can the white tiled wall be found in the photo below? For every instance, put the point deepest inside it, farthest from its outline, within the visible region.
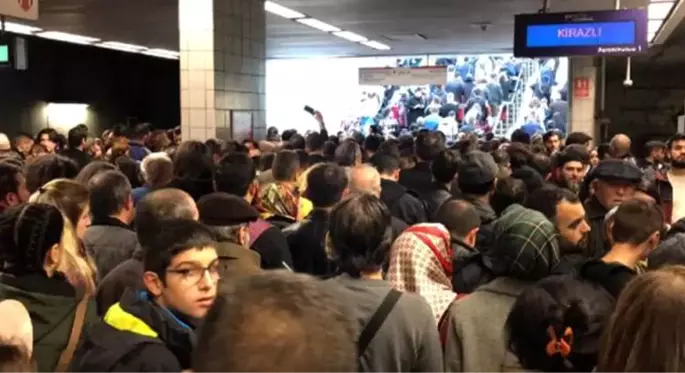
(222, 64)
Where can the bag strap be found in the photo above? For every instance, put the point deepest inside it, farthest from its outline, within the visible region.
(74, 336)
(377, 320)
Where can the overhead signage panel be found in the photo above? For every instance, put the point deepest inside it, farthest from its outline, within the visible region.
(602, 33)
(403, 76)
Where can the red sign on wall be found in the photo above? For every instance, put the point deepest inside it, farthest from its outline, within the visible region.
(25, 4)
(581, 87)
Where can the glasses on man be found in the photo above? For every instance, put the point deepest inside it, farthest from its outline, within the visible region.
(193, 275)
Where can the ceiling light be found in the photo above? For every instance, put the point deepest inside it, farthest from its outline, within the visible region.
(18, 28)
(659, 10)
(71, 38)
(282, 11)
(319, 25)
(351, 36)
(376, 45)
(122, 46)
(653, 25)
(164, 53)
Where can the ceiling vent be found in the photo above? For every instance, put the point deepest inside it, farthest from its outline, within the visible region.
(400, 37)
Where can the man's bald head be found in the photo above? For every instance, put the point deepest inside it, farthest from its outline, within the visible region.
(365, 179)
(620, 145)
(164, 204)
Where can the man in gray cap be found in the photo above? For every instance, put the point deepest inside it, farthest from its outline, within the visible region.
(612, 182)
(476, 179)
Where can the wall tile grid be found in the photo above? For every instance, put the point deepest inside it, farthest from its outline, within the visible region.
(222, 65)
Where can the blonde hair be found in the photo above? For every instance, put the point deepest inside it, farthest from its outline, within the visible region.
(78, 266)
(71, 198)
(646, 332)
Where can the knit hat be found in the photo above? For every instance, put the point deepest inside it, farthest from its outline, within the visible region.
(27, 233)
(477, 168)
(223, 209)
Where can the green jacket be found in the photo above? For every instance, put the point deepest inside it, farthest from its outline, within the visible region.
(51, 303)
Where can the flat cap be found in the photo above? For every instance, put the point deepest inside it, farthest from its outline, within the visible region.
(223, 209)
(617, 170)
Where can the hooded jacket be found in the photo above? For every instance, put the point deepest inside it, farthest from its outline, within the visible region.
(51, 302)
(401, 203)
(136, 335)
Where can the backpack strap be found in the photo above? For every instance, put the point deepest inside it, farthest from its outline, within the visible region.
(75, 335)
(377, 320)
(421, 232)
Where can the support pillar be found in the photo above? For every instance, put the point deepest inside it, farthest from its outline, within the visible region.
(583, 91)
(223, 48)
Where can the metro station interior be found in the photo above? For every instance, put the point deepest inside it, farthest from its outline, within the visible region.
(306, 66)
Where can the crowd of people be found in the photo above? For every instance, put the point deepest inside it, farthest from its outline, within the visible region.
(140, 252)
(473, 100)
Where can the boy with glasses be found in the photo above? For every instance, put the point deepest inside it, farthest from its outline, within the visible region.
(152, 329)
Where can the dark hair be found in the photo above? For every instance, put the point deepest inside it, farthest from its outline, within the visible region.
(675, 138)
(635, 221)
(281, 310)
(578, 138)
(520, 136)
(553, 306)
(459, 217)
(27, 232)
(304, 159)
(546, 199)
(109, 193)
(549, 134)
(390, 147)
(373, 143)
(519, 155)
(386, 164)
(296, 142)
(15, 358)
(445, 166)
(541, 163)
(429, 145)
(329, 150)
(216, 147)
(48, 167)
(92, 169)
(285, 166)
(234, 175)
(572, 153)
(77, 135)
(315, 142)
(508, 191)
(172, 237)
(603, 150)
(360, 233)
(131, 169)
(348, 153)
(287, 134)
(140, 130)
(501, 157)
(530, 177)
(8, 179)
(266, 161)
(192, 161)
(160, 205)
(52, 135)
(326, 184)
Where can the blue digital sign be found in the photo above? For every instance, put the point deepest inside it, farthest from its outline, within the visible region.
(613, 32)
(581, 34)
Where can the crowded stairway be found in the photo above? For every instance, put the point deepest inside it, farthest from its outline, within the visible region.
(134, 250)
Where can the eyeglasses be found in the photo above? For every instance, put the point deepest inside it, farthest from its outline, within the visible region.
(194, 275)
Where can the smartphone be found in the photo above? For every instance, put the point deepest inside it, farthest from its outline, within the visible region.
(309, 109)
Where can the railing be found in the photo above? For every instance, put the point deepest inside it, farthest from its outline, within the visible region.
(515, 107)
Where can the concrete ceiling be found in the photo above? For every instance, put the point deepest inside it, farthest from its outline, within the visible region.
(449, 26)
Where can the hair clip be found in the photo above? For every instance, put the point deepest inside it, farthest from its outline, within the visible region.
(561, 346)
